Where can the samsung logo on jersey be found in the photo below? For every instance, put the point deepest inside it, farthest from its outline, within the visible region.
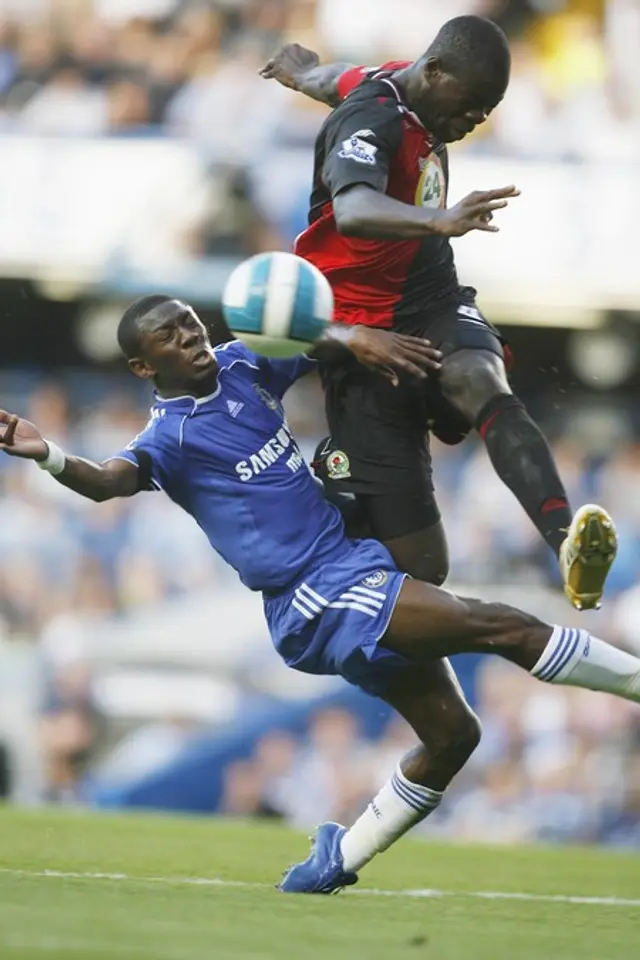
(273, 449)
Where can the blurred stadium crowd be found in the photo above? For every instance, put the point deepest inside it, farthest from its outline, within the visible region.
(553, 765)
(189, 68)
(548, 769)
(94, 67)
(186, 67)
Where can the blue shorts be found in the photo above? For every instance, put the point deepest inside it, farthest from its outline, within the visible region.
(332, 619)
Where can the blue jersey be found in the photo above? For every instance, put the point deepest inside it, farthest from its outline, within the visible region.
(231, 462)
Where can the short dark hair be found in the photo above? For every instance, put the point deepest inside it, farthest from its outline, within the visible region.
(129, 329)
(473, 46)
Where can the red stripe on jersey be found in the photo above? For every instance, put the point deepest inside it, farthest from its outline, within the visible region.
(367, 277)
(353, 77)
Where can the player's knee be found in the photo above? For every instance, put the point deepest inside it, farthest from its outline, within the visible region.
(448, 748)
(464, 735)
(442, 754)
(471, 378)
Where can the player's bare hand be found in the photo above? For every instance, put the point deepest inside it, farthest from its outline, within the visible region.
(475, 212)
(393, 353)
(20, 438)
(289, 64)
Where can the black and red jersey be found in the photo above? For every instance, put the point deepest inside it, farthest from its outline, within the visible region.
(373, 138)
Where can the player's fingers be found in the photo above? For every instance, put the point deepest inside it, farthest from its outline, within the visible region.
(417, 343)
(414, 348)
(502, 193)
(387, 372)
(402, 362)
(391, 375)
(478, 209)
(5, 416)
(9, 433)
(423, 358)
(426, 361)
(481, 224)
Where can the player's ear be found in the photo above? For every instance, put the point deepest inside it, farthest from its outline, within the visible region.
(432, 69)
(141, 368)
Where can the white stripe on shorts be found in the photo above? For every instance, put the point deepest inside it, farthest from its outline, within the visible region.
(309, 604)
(350, 605)
(304, 589)
(303, 610)
(365, 601)
(367, 592)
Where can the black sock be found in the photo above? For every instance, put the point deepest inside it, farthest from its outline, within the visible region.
(523, 461)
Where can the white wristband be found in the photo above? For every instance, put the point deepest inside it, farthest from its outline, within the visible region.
(56, 459)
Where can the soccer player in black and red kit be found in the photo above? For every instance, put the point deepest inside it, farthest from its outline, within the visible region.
(379, 229)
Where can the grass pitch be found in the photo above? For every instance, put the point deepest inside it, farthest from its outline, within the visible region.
(99, 887)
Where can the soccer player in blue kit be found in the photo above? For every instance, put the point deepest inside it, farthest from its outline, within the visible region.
(219, 445)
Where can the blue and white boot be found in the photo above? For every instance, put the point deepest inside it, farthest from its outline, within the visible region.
(323, 870)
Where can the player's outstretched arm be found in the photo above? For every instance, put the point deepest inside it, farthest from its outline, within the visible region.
(115, 478)
(363, 212)
(383, 350)
(299, 68)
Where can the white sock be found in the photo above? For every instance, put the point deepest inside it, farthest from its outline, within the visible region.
(575, 658)
(398, 806)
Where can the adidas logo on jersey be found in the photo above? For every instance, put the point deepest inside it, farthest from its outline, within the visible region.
(234, 407)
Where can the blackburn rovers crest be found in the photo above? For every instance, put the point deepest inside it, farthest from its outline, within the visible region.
(338, 466)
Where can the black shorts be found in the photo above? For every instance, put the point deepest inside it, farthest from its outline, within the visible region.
(380, 433)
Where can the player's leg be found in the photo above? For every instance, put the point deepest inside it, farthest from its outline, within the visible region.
(474, 380)
(380, 454)
(430, 699)
(422, 552)
(361, 619)
(332, 624)
(429, 622)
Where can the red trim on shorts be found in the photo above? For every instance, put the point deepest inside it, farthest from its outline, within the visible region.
(482, 430)
(554, 503)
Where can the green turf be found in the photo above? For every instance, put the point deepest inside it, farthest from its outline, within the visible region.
(165, 919)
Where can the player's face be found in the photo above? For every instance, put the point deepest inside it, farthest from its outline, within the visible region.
(453, 107)
(176, 351)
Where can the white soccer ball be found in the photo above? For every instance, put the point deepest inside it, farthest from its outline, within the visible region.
(278, 296)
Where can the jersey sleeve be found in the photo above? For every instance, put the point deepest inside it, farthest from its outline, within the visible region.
(354, 76)
(362, 140)
(150, 456)
(277, 375)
